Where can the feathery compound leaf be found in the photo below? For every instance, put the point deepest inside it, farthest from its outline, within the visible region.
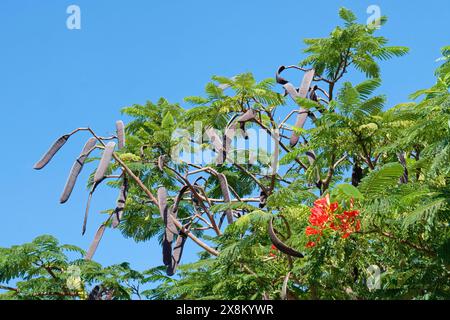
(120, 129)
(104, 162)
(76, 169)
(347, 15)
(366, 88)
(51, 152)
(425, 211)
(377, 182)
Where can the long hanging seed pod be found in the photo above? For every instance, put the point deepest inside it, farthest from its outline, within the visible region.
(88, 205)
(303, 113)
(265, 296)
(161, 160)
(279, 244)
(278, 78)
(51, 152)
(120, 128)
(214, 139)
(76, 169)
(104, 162)
(120, 204)
(249, 115)
(218, 145)
(226, 195)
(168, 235)
(176, 256)
(284, 289)
(94, 245)
(402, 160)
(178, 198)
(98, 178)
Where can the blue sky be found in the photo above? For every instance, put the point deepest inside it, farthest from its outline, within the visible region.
(53, 80)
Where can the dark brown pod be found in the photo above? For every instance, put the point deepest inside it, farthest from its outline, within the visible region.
(284, 289)
(76, 169)
(226, 195)
(168, 234)
(249, 115)
(161, 160)
(104, 162)
(279, 244)
(214, 139)
(303, 113)
(278, 78)
(178, 198)
(166, 251)
(94, 245)
(120, 129)
(88, 205)
(51, 152)
(176, 256)
(120, 204)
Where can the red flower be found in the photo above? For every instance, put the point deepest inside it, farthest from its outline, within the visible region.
(318, 217)
(352, 213)
(310, 244)
(358, 225)
(324, 215)
(311, 231)
(273, 248)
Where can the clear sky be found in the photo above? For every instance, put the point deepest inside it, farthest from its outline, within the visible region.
(53, 80)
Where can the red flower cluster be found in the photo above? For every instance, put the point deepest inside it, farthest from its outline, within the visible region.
(325, 215)
(273, 250)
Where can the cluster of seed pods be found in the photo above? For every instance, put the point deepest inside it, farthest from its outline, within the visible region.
(100, 175)
(175, 234)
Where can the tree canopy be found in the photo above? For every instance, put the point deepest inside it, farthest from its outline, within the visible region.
(348, 201)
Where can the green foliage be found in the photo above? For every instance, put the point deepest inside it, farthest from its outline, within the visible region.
(389, 164)
(42, 269)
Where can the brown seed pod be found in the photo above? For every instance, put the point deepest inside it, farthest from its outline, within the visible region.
(284, 289)
(220, 145)
(166, 251)
(176, 256)
(214, 139)
(249, 115)
(278, 78)
(279, 244)
(86, 212)
(104, 161)
(303, 113)
(168, 234)
(51, 152)
(178, 198)
(120, 128)
(88, 205)
(76, 169)
(94, 245)
(226, 195)
(120, 204)
(162, 202)
(161, 160)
